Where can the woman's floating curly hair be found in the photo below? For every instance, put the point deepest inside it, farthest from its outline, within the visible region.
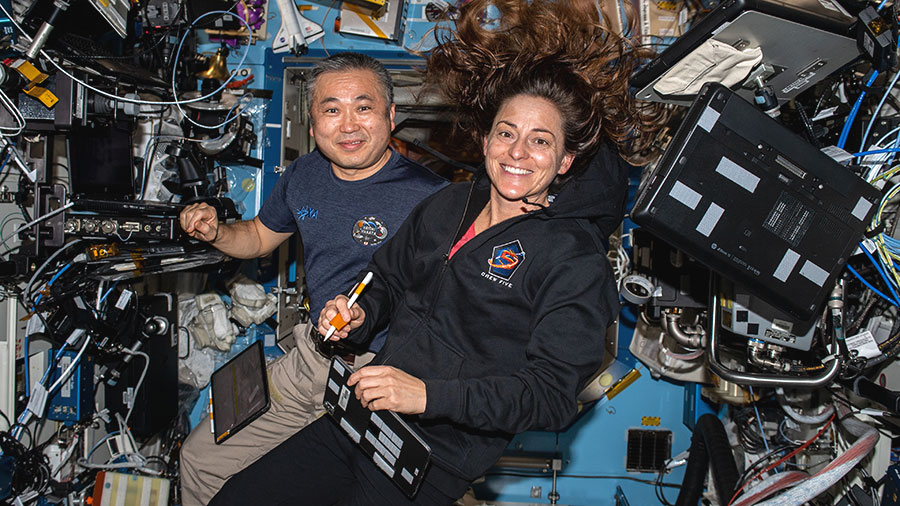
(560, 50)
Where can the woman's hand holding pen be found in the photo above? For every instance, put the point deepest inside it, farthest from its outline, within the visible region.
(354, 316)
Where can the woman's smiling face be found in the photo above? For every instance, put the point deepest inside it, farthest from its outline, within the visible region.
(525, 149)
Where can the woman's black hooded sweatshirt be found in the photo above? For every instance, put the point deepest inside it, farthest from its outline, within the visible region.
(507, 331)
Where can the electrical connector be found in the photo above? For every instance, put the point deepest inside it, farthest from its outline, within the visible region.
(876, 38)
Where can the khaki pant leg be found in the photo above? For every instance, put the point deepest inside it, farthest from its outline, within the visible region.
(296, 386)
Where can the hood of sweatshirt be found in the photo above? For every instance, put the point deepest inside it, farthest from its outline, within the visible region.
(599, 193)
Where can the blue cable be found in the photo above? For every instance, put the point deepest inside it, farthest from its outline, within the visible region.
(53, 364)
(883, 274)
(869, 285)
(46, 372)
(73, 365)
(849, 122)
(52, 280)
(862, 143)
(3, 165)
(111, 434)
(20, 421)
(877, 151)
(890, 159)
(762, 432)
(105, 295)
(60, 273)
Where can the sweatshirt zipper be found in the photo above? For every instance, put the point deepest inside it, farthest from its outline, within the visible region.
(462, 219)
(446, 257)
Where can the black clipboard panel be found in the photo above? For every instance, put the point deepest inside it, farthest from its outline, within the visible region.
(240, 392)
(391, 444)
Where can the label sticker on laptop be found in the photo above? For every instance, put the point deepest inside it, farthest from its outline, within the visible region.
(710, 219)
(708, 119)
(814, 273)
(737, 174)
(862, 207)
(786, 266)
(684, 194)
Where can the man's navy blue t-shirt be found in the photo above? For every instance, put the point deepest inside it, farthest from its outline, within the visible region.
(341, 223)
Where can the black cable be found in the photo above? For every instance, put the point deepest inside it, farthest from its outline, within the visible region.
(6, 418)
(31, 468)
(658, 488)
(752, 467)
(854, 411)
(859, 319)
(748, 431)
(710, 450)
(143, 51)
(807, 126)
(155, 458)
(30, 434)
(25, 212)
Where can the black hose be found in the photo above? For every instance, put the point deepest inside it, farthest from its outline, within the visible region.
(709, 450)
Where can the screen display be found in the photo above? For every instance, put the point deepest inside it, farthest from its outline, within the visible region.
(100, 162)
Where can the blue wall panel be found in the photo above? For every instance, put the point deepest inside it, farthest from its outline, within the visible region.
(596, 446)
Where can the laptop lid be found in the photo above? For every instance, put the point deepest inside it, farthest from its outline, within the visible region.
(802, 42)
(747, 197)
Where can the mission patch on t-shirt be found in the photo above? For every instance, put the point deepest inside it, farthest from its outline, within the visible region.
(370, 231)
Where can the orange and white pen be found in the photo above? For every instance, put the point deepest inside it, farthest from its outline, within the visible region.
(212, 423)
(337, 322)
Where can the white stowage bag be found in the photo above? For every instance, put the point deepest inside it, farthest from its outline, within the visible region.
(246, 292)
(250, 302)
(712, 61)
(211, 326)
(195, 366)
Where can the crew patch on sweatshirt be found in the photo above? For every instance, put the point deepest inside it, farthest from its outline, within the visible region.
(370, 231)
(505, 260)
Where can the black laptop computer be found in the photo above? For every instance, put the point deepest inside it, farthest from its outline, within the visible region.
(744, 195)
(391, 444)
(802, 42)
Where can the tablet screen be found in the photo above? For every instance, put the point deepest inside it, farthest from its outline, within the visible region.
(240, 392)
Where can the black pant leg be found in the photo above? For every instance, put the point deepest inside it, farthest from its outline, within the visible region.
(312, 467)
(374, 488)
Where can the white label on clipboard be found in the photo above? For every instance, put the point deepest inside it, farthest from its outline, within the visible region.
(333, 386)
(344, 397)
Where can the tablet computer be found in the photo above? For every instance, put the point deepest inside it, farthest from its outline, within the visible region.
(239, 391)
(385, 437)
